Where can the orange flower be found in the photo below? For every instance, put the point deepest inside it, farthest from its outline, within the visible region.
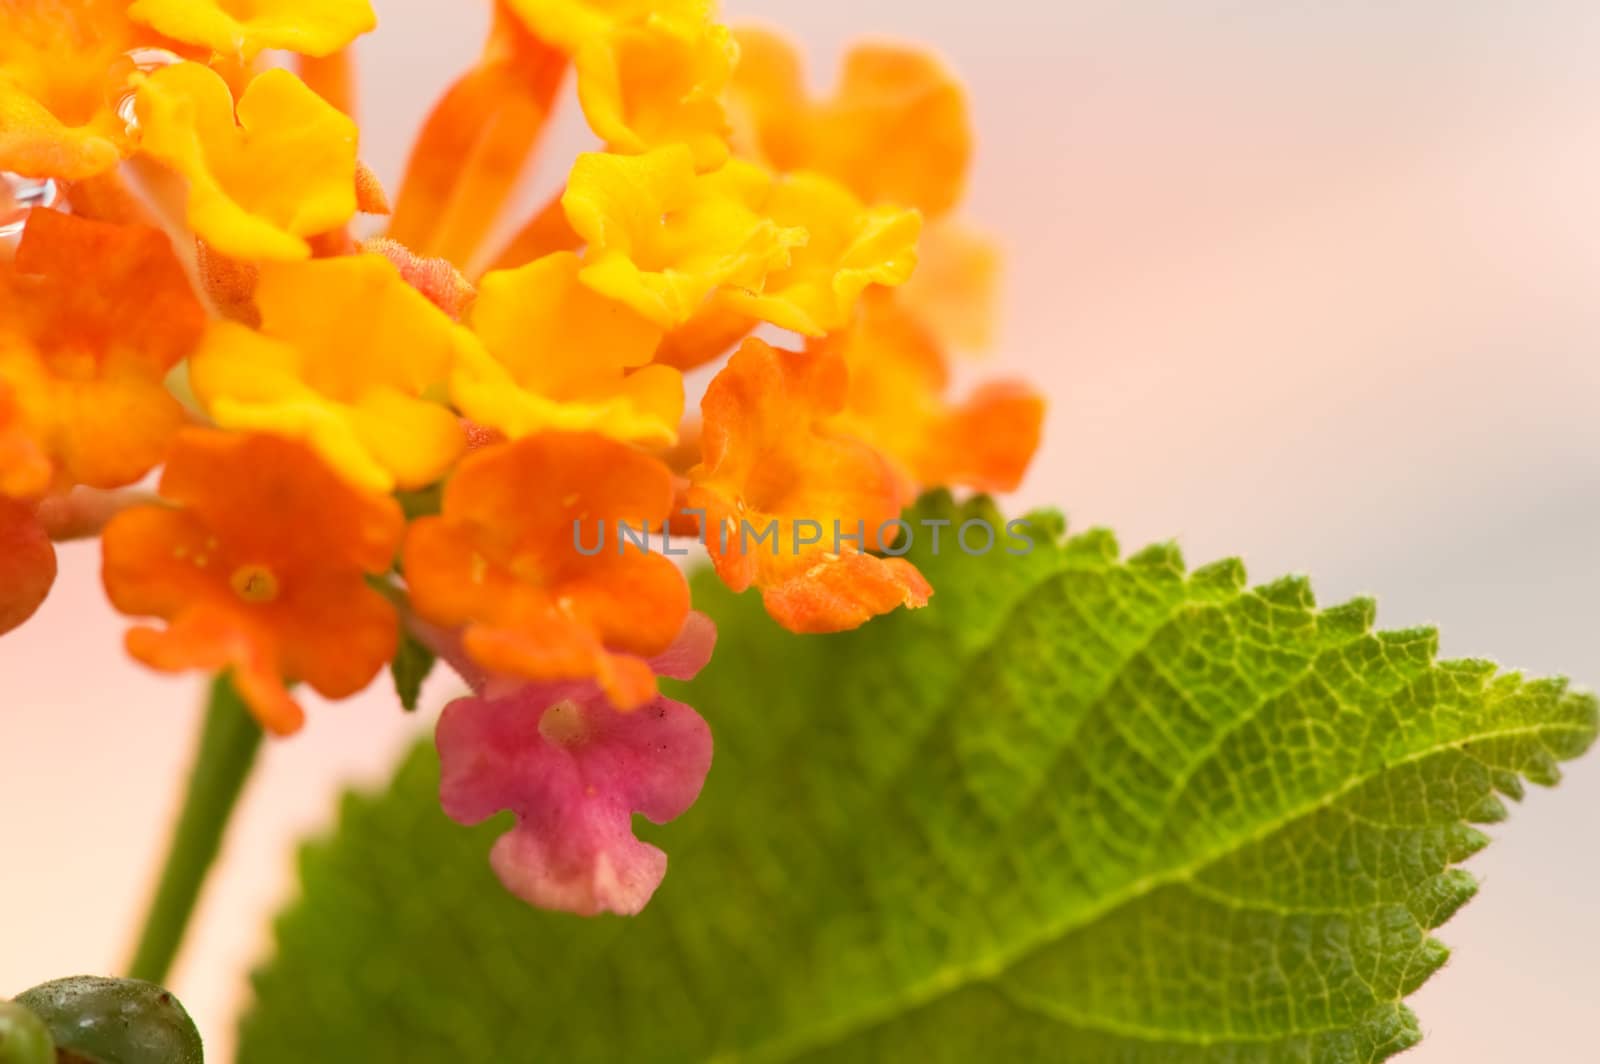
(94, 315)
(956, 286)
(258, 565)
(27, 563)
(895, 131)
(791, 506)
(25, 469)
(475, 143)
(557, 355)
(896, 403)
(512, 557)
(60, 84)
(284, 171)
(229, 28)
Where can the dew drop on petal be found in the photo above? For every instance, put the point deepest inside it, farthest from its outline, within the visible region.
(19, 196)
(120, 78)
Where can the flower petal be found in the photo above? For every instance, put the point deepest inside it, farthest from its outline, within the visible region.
(27, 563)
(896, 130)
(357, 386)
(258, 564)
(558, 355)
(310, 27)
(503, 558)
(57, 88)
(285, 171)
(897, 403)
(658, 80)
(574, 771)
(474, 145)
(849, 247)
(790, 505)
(661, 238)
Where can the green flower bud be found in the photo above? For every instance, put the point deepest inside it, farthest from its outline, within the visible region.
(116, 1021)
(24, 1038)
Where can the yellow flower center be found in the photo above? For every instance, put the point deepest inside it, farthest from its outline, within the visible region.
(563, 724)
(255, 583)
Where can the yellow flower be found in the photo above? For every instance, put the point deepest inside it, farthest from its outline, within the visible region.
(349, 358)
(662, 238)
(310, 27)
(57, 79)
(557, 355)
(849, 247)
(659, 80)
(286, 170)
(896, 130)
(570, 24)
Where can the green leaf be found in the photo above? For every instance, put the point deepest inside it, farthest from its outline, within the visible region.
(1079, 809)
(410, 668)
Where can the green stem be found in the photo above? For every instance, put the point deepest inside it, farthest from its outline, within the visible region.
(229, 740)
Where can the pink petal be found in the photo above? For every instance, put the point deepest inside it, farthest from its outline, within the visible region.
(619, 875)
(574, 772)
(688, 653)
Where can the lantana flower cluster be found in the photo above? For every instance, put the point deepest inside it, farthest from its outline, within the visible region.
(368, 422)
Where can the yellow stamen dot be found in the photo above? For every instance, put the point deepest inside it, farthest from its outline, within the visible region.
(563, 724)
(255, 583)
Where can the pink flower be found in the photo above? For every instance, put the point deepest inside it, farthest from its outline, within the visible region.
(574, 770)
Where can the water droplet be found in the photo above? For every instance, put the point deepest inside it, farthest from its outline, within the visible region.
(19, 196)
(120, 78)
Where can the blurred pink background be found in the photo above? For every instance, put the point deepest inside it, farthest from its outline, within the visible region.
(1318, 284)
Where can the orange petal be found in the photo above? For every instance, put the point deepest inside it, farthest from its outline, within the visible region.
(27, 563)
(845, 591)
(897, 403)
(112, 288)
(709, 334)
(57, 93)
(896, 129)
(26, 471)
(546, 232)
(474, 146)
(114, 429)
(503, 558)
(333, 77)
(789, 504)
(955, 290)
(257, 564)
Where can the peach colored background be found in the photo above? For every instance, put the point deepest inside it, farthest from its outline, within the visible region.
(1314, 283)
